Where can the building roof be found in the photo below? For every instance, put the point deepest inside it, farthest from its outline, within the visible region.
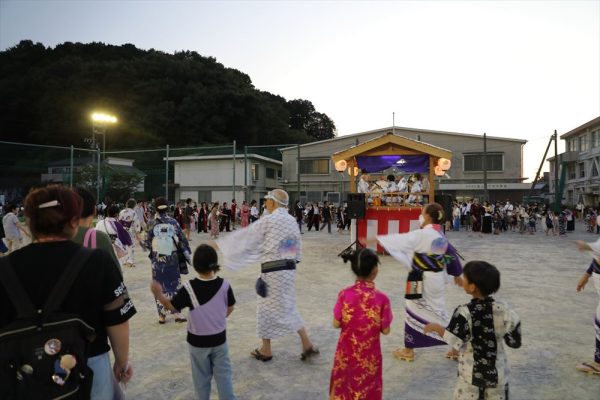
(582, 128)
(390, 138)
(224, 157)
(392, 129)
(126, 168)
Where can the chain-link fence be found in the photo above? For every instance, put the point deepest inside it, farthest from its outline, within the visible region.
(115, 175)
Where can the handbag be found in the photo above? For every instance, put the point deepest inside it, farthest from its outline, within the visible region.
(261, 287)
(183, 267)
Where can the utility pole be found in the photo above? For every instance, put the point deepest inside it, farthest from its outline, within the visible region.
(485, 189)
(247, 191)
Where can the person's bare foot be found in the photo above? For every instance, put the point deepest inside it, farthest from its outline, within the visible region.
(404, 354)
(590, 367)
(452, 354)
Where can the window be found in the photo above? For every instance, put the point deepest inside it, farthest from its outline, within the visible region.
(255, 172)
(582, 170)
(279, 173)
(583, 143)
(318, 166)
(596, 138)
(594, 169)
(474, 162)
(270, 173)
(571, 170)
(571, 145)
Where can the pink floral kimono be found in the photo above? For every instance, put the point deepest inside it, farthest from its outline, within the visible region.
(363, 313)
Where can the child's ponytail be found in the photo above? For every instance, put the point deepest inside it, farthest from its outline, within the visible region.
(362, 261)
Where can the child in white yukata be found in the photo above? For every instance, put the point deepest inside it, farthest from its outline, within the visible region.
(593, 271)
(478, 329)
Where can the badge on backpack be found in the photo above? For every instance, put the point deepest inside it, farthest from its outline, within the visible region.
(52, 347)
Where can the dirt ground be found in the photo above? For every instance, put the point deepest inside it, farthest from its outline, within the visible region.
(539, 275)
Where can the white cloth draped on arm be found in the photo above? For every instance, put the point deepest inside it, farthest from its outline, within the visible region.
(241, 248)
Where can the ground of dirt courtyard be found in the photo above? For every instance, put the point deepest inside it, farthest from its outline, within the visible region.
(539, 275)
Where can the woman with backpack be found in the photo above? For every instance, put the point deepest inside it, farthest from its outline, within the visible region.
(95, 298)
(168, 250)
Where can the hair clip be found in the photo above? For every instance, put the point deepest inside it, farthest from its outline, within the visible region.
(162, 207)
(49, 204)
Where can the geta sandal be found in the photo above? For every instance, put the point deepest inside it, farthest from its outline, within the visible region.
(400, 354)
(306, 354)
(259, 356)
(588, 368)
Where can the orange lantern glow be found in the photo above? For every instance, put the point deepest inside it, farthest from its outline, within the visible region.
(444, 164)
(341, 165)
(438, 171)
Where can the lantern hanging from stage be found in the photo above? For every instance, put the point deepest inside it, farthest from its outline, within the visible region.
(444, 164)
(438, 171)
(353, 171)
(341, 165)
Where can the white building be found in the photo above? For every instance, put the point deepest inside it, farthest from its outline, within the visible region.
(221, 178)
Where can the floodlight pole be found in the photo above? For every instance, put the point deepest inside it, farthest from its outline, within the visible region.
(167, 174)
(233, 182)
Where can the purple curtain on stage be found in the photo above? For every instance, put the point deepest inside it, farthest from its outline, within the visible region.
(405, 164)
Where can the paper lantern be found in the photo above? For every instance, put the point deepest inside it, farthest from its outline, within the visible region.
(341, 165)
(444, 164)
(353, 171)
(438, 171)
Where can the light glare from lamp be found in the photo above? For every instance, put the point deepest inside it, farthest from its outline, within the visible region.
(341, 165)
(99, 117)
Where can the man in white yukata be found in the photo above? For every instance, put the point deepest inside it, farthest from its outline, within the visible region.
(274, 241)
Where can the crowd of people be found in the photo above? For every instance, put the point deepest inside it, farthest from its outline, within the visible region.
(84, 256)
(497, 217)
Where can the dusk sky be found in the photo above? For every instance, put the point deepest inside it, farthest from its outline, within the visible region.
(516, 69)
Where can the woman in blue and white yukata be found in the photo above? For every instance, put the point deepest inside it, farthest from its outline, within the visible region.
(593, 271)
(431, 259)
(165, 236)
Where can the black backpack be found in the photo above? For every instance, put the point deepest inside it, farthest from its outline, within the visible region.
(39, 348)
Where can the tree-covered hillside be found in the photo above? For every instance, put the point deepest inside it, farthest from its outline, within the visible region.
(48, 94)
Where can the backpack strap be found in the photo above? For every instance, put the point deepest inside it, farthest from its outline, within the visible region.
(188, 287)
(62, 287)
(89, 240)
(16, 293)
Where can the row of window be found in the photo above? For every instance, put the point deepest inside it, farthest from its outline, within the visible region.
(471, 163)
(575, 170)
(584, 142)
(270, 173)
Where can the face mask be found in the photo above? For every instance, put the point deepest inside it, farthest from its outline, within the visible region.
(421, 219)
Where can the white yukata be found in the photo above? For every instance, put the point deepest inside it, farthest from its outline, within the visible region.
(132, 224)
(432, 306)
(594, 269)
(274, 237)
(478, 330)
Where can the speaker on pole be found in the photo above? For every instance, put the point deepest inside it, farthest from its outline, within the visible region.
(356, 205)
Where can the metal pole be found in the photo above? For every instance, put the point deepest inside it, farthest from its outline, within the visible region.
(298, 171)
(557, 196)
(485, 189)
(71, 169)
(233, 185)
(104, 162)
(247, 191)
(167, 175)
(394, 123)
(98, 182)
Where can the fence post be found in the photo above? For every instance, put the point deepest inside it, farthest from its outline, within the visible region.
(167, 175)
(71, 169)
(247, 190)
(298, 172)
(233, 185)
(98, 183)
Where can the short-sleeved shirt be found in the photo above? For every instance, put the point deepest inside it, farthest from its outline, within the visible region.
(10, 222)
(102, 241)
(39, 265)
(204, 291)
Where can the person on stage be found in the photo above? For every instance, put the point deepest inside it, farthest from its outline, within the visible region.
(274, 241)
(430, 258)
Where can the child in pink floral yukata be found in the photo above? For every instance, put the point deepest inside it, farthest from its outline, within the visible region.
(363, 313)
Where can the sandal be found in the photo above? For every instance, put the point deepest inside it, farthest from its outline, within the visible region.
(400, 354)
(259, 356)
(161, 320)
(306, 354)
(451, 355)
(181, 319)
(588, 368)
